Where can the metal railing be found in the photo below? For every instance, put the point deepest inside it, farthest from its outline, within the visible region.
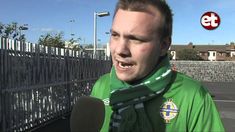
(39, 84)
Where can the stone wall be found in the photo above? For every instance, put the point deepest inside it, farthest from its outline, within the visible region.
(207, 71)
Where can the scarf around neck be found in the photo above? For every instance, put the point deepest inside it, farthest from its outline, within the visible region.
(127, 101)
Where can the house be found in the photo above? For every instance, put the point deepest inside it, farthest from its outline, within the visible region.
(208, 52)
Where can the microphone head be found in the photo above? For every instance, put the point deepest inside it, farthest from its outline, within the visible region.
(87, 115)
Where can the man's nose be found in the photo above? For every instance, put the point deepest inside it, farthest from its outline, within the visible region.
(123, 48)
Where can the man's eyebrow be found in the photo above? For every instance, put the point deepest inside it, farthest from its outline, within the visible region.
(113, 31)
(136, 37)
(131, 36)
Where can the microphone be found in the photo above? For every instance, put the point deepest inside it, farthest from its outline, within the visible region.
(87, 115)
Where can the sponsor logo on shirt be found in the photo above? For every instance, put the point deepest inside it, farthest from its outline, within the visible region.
(168, 110)
(106, 101)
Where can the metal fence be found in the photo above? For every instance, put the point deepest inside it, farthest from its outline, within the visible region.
(39, 84)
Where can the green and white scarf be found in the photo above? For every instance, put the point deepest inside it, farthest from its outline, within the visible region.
(127, 101)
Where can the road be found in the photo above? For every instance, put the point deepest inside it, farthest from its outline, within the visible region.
(224, 97)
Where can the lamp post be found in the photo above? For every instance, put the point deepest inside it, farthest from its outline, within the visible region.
(99, 14)
(23, 27)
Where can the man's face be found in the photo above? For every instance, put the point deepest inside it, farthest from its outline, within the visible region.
(135, 44)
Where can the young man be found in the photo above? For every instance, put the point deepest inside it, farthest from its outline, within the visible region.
(142, 93)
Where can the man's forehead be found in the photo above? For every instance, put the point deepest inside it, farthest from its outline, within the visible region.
(149, 9)
(123, 17)
(131, 23)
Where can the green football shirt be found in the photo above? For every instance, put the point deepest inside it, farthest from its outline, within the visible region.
(185, 106)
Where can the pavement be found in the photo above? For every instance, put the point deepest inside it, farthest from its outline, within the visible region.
(223, 94)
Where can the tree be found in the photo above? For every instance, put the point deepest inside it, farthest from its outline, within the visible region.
(74, 44)
(9, 29)
(53, 40)
(12, 31)
(78, 48)
(188, 54)
(1, 28)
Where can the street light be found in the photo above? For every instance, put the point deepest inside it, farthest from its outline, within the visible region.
(99, 14)
(23, 27)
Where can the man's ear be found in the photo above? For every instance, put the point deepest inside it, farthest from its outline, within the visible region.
(166, 42)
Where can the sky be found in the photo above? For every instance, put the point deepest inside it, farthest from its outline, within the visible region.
(54, 16)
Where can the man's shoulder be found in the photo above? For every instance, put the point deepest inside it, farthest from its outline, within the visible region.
(105, 77)
(188, 90)
(188, 84)
(187, 80)
(101, 87)
(103, 80)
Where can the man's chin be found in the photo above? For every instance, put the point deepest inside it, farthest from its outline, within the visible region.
(125, 77)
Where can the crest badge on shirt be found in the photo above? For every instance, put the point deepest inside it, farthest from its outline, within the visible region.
(168, 110)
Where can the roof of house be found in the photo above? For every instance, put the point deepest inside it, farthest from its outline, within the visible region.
(204, 48)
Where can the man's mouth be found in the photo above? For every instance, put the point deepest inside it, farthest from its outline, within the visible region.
(125, 65)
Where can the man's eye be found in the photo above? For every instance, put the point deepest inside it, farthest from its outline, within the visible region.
(136, 41)
(114, 35)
